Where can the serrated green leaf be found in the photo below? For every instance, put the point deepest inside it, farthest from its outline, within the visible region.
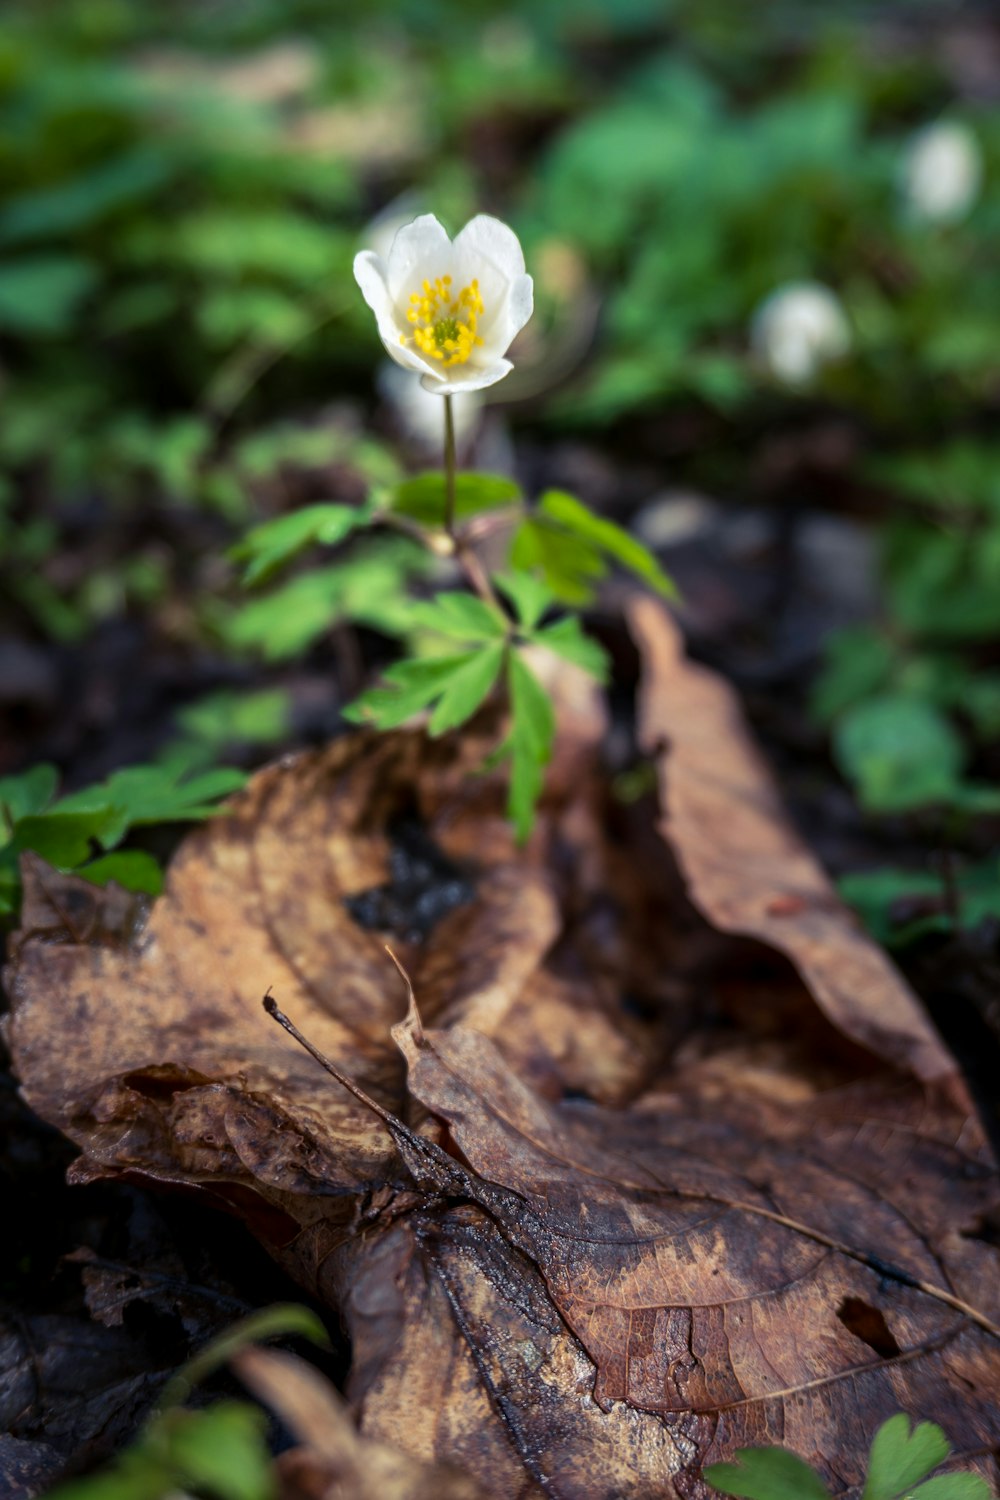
(132, 868)
(140, 795)
(462, 617)
(415, 683)
(566, 511)
(527, 777)
(424, 498)
(767, 1474)
(369, 590)
(952, 1487)
(567, 639)
(532, 733)
(466, 689)
(569, 565)
(530, 596)
(899, 1459)
(531, 707)
(269, 546)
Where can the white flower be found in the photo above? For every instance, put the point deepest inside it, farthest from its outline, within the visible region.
(798, 329)
(449, 310)
(942, 172)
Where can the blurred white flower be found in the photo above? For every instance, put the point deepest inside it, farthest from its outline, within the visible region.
(420, 413)
(798, 329)
(942, 172)
(449, 310)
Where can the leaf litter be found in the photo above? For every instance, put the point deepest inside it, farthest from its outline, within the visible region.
(654, 1174)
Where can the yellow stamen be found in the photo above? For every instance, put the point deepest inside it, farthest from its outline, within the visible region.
(444, 323)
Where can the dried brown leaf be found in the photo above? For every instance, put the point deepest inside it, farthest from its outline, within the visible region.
(746, 868)
(560, 1297)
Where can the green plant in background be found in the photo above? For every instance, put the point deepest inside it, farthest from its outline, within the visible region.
(81, 831)
(221, 1451)
(914, 703)
(898, 1466)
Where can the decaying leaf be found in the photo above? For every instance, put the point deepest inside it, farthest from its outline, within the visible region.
(747, 870)
(608, 1207)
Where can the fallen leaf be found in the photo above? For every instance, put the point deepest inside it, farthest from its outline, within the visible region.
(616, 1216)
(747, 870)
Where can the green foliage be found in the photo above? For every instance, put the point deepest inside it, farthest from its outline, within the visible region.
(899, 1460)
(77, 832)
(533, 728)
(570, 547)
(901, 906)
(423, 497)
(368, 590)
(456, 685)
(219, 1452)
(900, 752)
(269, 546)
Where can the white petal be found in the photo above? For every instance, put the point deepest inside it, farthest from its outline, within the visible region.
(486, 238)
(498, 333)
(370, 274)
(460, 378)
(420, 249)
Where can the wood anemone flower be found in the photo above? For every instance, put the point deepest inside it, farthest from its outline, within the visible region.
(449, 309)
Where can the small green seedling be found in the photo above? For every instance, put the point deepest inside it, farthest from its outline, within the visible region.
(898, 1467)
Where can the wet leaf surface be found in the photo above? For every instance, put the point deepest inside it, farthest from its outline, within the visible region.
(626, 1194)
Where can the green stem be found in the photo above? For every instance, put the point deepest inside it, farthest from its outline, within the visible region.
(449, 468)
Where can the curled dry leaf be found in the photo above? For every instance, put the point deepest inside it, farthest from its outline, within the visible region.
(736, 1235)
(746, 868)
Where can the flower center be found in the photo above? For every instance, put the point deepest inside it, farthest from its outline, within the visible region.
(444, 322)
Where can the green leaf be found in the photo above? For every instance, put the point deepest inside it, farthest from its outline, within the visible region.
(277, 1321)
(532, 733)
(228, 718)
(569, 565)
(900, 753)
(567, 639)
(461, 616)
(132, 868)
(64, 837)
(767, 1474)
(952, 1487)
(223, 1451)
(900, 1458)
(141, 795)
(467, 688)
(859, 661)
(42, 295)
(415, 684)
(369, 590)
(29, 792)
(269, 546)
(529, 596)
(423, 497)
(574, 517)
